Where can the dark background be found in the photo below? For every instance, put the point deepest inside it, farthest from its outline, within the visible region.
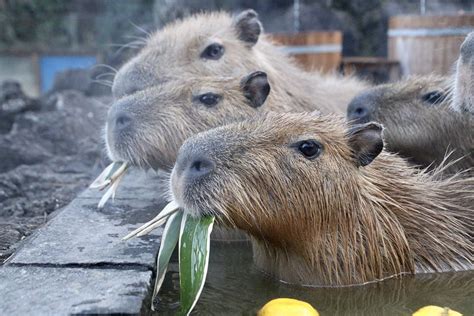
(107, 25)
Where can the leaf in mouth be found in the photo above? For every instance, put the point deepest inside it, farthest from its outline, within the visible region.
(168, 243)
(194, 244)
(159, 220)
(193, 234)
(111, 176)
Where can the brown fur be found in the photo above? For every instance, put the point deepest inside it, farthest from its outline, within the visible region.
(327, 221)
(463, 94)
(419, 124)
(175, 51)
(165, 116)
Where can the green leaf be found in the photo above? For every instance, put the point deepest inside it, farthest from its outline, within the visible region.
(194, 242)
(169, 240)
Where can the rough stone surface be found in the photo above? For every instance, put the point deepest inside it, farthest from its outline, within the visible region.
(77, 262)
(47, 157)
(84, 234)
(65, 291)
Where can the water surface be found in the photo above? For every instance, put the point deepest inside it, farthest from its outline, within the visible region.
(235, 287)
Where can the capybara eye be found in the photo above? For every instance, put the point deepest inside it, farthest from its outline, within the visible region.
(213, 51)
(209, 99)
(434, 97)
(309, 148)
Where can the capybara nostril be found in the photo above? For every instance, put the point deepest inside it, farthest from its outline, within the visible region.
(358, 113)
(199, 167)
(122, 121)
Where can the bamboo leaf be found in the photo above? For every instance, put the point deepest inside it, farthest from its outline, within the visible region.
(169, 240)
(169, 209)
(194, 243)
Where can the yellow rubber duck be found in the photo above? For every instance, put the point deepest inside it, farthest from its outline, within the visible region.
(287, 307)
(432, 310)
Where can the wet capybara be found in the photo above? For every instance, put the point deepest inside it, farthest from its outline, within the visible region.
(220, 45)
(148, 128)
(419, 124)
(323, 202)
(463, 90)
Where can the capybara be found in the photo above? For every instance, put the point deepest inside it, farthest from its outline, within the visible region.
(419, 124)
(220, 45)
(323, 202)
(148, 128)
(463, 93)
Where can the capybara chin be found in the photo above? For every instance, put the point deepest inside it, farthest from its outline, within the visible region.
(463, 90)
(322, 201)
(419, 124)
(148, 128)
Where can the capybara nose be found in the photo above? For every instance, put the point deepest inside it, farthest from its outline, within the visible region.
(122, 121)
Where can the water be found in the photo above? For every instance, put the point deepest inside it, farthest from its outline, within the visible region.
(235, 287)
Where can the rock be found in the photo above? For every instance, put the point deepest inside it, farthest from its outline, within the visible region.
(74, 128)
(48, 157)
(12, 102)
(83, 234)
(66, 291)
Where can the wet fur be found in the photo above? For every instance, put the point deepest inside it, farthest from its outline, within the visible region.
(328, 222)
(165, 116)
(422, 132)
(171, 57)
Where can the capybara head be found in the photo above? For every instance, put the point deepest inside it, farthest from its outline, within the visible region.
(148, 128)
(419, 124)
(299, 162)
(213, 44)
(288, 180)
(322, 201)
(395, 104)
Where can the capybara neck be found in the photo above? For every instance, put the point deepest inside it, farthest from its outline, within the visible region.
(346, 214)
(389, 220)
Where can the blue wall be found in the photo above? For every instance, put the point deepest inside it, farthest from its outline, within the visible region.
(50, 65)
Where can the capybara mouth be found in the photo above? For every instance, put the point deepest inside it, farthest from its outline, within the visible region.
(191, 195)
(126, 152)
(136, 150)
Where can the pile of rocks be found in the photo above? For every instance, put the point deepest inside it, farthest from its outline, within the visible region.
(50, 148)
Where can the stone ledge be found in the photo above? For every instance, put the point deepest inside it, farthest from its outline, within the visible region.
(78, 264)
(82, 234)
(63, 291)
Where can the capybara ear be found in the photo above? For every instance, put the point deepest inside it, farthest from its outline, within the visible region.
(248, 27)
(366, 142)
(255, 88)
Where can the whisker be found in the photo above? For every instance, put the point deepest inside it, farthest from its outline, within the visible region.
(141, 29)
